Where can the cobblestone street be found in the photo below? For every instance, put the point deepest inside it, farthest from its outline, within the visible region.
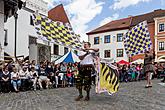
(131, 96)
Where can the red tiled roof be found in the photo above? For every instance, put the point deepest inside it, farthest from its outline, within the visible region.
(113, 25)
(148, 16)
(58, 14)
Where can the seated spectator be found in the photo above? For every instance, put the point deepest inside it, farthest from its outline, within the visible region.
(33, 77)
(5, 80)
(49, 72)
(15, 80)
(43, 77)
(1, 72)
(24, 77)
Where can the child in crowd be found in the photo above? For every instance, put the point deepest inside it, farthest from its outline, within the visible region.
(15, 79)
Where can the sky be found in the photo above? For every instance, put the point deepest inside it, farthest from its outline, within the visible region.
(87, 15)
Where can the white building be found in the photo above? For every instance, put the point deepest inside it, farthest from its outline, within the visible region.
(109, 39)
(7, 9)
(27, 44)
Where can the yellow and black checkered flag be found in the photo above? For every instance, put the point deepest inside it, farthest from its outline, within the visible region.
(55, 32)
(108, 79)
(137, 40)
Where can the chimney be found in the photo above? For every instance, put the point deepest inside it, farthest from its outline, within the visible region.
(157, 10)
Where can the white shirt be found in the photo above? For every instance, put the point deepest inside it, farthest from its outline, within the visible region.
(88, 59)
(14, 75)
(24, 75)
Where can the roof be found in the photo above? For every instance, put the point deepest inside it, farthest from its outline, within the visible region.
(148, 16)
(126, 23)
(112, 26)
(58, 14)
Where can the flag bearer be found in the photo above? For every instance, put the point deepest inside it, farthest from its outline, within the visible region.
(85, 70)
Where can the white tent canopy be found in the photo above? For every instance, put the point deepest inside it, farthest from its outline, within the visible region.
(68, 57)
(161, 59)
(138, 61)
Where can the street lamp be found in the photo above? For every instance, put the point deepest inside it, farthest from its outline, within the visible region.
(15, 46)
(0, 51)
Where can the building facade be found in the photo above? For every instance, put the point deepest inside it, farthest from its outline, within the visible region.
(8, 8)
(149, 17)
(109, 39)
(155, 20)
(160, 38)
(26, 38)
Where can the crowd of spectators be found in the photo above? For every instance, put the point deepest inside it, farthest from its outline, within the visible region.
(135, 72)
(24, 75)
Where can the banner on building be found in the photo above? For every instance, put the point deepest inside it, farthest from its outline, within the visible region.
(55, 32)
(137, 40)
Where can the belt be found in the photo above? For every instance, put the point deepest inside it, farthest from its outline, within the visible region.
(88, 65)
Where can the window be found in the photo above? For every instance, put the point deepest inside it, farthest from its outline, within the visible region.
(119, 52)
(5, 40)
(161, 46)
(56, 49)
(107, 39)
(120, 37)
(107, 53)
(31, 21)
(65, 50)
(96, 40)
(161, 27)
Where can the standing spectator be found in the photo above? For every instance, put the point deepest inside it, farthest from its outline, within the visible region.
(163, 73)
(69, 75)
(124, 72)
(56, 72)
(133, 72)
(137, 72)
(5, 80)
(159, 70)
(62, 73)
(75, 72)
(121, 75)
(15, 79)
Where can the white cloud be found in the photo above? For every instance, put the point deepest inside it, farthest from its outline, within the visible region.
(81, 12)
(119, 4)
(109, 19)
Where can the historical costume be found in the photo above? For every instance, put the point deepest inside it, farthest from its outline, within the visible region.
(85, 69)
(148, 67)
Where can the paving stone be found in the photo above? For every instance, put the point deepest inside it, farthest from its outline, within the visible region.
(131, 96)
